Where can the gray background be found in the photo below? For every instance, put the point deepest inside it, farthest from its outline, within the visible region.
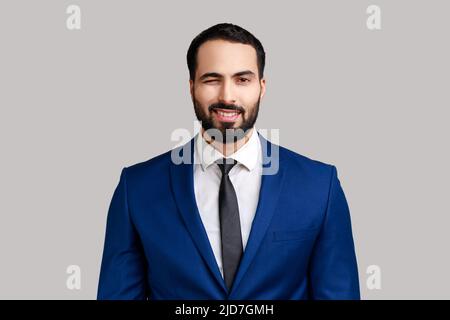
(78, 106)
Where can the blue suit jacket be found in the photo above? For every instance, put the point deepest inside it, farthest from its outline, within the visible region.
(300, 245)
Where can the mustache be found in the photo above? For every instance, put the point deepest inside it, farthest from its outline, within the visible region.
(226, 107)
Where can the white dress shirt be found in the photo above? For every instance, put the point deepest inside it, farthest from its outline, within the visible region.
(245, 177)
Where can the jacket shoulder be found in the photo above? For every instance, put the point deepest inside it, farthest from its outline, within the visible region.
(149, 168)
(305, 165)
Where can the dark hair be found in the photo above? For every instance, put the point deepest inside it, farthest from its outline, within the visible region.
(229, 32)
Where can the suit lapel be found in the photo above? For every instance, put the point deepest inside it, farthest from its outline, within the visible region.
(182, 179)
(271, 185)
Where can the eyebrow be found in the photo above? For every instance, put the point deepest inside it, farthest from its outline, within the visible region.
(218, 75)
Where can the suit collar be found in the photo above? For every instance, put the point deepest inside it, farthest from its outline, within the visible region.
(248, 155)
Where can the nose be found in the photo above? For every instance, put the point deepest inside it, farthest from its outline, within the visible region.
(226, 95)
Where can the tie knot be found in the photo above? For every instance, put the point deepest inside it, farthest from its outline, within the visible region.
(225, 165)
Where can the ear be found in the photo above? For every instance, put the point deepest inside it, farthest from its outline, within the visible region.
(263, 87)
(191, 88)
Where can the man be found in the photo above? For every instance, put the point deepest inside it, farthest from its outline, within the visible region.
(222, 225)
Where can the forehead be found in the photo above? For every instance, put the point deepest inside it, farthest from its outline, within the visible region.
(226, 57)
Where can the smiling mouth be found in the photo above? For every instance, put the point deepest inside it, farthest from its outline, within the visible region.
(226, 115)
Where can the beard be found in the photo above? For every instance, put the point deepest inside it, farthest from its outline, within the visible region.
(225, 132)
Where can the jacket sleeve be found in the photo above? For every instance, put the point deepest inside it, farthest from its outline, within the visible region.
(333, 267)
(123, 267)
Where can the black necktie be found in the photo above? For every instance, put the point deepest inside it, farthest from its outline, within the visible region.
(230, 225)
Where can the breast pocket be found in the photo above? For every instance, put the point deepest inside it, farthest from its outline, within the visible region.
(297, 234)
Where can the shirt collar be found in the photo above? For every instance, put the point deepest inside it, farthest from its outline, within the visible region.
(247, 155)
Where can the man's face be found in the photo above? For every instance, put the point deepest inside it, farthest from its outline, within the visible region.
(227, 89)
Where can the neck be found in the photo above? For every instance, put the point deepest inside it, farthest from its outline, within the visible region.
(227, 148)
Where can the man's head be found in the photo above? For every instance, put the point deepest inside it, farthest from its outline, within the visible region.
(226, 68)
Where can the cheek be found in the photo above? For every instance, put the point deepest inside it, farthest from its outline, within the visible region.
(206, 95)
(249, 95)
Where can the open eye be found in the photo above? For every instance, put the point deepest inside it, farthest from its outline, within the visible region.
(243, 80)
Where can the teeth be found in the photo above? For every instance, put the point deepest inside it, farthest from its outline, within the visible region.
(227, 114)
